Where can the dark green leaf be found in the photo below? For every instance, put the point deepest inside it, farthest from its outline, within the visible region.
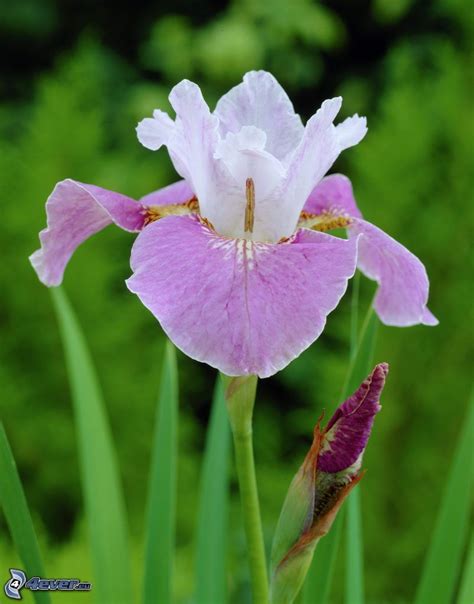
(213, 506)
(14, 506)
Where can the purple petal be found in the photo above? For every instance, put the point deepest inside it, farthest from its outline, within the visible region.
(319, 148)
(428, 318)
(403, 289)
(403, 284)
(178, 192)
(333, 193)
(75, 211)
(260, 101)
(349, 429)
(241, 306)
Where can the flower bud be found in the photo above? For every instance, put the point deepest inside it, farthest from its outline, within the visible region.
(331, 469)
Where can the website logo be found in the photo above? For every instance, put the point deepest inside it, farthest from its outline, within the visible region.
(15, 583)
(18, 581)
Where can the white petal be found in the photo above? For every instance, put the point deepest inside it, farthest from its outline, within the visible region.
(260, 101)
(351, 131)
(156, 131)
(244, 155)
(195, 139)
(321, 145)
(191, 140)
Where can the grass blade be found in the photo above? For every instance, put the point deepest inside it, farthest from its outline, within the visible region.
(104, 504)
(466, 591)
(160, 536)
(441, 568)
(14, 506)
(213, 505)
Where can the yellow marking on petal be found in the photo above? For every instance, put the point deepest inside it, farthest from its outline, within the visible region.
(207, 223)
(153, 213)
(327, 220)
(250, 207)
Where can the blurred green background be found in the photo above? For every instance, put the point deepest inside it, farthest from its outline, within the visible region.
(76, 77)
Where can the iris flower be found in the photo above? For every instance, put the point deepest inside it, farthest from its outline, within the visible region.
(235, 260)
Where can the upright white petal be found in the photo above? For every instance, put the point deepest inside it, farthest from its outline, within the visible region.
(260, 101)
(351, 131)
(191, 139)
(154, 132)
(244, 155)
(254, 133)
(319, 148)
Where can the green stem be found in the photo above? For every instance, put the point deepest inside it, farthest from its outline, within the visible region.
(361, 353)
(354, 315)
(240, 398)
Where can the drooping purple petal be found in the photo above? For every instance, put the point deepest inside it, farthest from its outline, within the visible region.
(403, 289)
(403, 283)
(319, 148)
(260, 101)
(75, 211)
(428, 318)
(349, 429)
(241, 306)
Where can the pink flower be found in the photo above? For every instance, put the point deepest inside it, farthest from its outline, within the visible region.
(233, 260)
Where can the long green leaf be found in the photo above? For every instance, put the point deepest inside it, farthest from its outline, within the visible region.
(160, 536)
(104, 504)
(361, 361)
(14, 506)
(466, 590)
(213, 506)
(441, 568)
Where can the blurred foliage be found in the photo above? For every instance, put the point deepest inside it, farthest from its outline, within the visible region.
(70, 111)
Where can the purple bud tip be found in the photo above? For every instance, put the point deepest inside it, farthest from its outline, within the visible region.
(348, 431)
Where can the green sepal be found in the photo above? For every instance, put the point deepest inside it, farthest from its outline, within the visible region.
(288, 580)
